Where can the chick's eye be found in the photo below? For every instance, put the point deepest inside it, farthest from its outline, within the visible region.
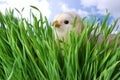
(66, 22)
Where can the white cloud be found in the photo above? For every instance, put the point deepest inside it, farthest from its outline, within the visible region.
(88, 3)
(65, 8)
(101, 5)
(113, 7)
(82, 13)
(43, 5)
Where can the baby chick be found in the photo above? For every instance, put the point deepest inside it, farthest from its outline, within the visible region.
(64, 24)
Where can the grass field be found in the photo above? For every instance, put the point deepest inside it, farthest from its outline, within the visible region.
(28, 51)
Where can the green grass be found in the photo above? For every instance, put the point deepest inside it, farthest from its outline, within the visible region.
(28, 51)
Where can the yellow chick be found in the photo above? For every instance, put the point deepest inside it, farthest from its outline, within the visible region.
(63, 23)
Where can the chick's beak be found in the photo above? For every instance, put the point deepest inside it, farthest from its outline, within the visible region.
(56, 24)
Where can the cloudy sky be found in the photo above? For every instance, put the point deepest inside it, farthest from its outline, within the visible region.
(49, 8)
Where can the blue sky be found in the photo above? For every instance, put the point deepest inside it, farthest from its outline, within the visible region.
(50, 8)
